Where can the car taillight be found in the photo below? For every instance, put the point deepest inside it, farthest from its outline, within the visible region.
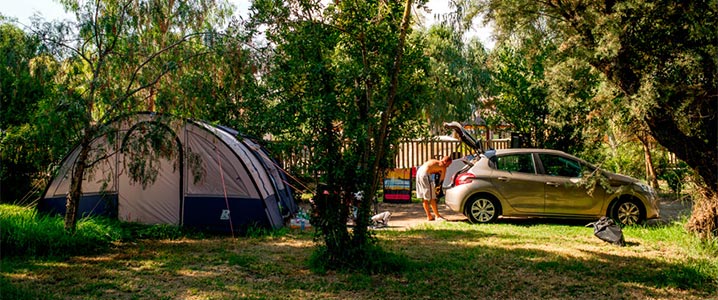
(463, 178)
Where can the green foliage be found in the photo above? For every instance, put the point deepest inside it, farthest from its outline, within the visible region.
(26, 79)
(660, 57)
(521, 92)
(676, 176)
(25, 233)
(458, 75)
(340, 95)
(622, 158)
(135, 231)
(255, 231)
(545, 100)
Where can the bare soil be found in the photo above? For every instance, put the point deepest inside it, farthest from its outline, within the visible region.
(407, 215)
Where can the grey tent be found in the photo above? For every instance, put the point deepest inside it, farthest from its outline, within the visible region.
(218, 180)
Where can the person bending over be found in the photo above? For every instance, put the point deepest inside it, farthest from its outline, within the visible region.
(425, 189)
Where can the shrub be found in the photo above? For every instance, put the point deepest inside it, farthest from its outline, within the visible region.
(675, 176)
(25, 233)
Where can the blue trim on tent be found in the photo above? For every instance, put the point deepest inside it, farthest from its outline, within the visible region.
(90, 205)
(206, 213)
(270, 210)
(241, 161)
(285, 195)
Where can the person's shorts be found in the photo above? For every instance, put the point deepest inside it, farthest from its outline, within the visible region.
(425, 187)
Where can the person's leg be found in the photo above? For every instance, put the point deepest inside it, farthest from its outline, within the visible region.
(426, 209)
(435, 208)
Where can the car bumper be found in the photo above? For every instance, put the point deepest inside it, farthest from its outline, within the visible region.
(653, 210)
(454, 198)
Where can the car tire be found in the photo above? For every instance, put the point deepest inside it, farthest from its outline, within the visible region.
(628, 212)
(482, 209)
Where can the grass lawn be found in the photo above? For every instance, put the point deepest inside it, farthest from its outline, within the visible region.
(450, 260)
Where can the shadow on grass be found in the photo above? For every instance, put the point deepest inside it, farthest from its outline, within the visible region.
(532, 273)
(439, 263)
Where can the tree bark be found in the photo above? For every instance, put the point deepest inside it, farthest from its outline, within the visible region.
(73, 197)
(380, 146)
(650, 168)
(698, 153)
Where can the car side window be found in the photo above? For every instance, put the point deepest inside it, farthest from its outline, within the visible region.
(555, 165)
(523, 163)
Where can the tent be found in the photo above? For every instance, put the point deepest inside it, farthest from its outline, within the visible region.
(215, 180)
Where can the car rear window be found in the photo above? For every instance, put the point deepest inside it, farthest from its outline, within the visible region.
(523, 163)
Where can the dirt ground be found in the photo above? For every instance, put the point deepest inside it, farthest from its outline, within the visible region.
(404, 216)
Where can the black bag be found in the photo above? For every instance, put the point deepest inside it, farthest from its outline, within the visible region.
(438, 187)
(607, 230)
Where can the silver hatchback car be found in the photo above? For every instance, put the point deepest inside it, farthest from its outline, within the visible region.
(543, 183)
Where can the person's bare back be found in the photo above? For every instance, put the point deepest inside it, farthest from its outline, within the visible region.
(435, 166)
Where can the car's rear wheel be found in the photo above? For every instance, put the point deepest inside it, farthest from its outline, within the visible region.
(482, 209)
(628, 212)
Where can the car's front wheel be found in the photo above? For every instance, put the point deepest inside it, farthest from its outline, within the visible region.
(628, 212)
(482, 209)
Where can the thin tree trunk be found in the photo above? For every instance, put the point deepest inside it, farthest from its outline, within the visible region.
(73, 197)
(650, 168)
(380, 145)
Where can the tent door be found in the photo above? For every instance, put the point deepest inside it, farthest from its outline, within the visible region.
(157, 203)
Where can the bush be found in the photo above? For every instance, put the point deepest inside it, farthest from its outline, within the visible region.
(627, 159)
(25, 233)
(675, 176)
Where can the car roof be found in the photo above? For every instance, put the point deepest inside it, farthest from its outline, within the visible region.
(534, 150)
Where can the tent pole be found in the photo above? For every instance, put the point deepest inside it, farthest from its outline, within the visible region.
(224, 188)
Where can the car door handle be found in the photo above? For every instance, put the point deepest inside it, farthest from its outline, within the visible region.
(504, 179)
(554, 184)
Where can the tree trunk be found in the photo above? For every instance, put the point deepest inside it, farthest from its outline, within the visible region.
(380, 146)
(698, 153)
(73, 197)
(650, 168)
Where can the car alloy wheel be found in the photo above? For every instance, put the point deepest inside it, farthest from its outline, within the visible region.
(481, 210)
(628, 213)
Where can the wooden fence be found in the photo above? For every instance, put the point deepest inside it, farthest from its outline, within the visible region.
(409, 154)
(414, 153)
